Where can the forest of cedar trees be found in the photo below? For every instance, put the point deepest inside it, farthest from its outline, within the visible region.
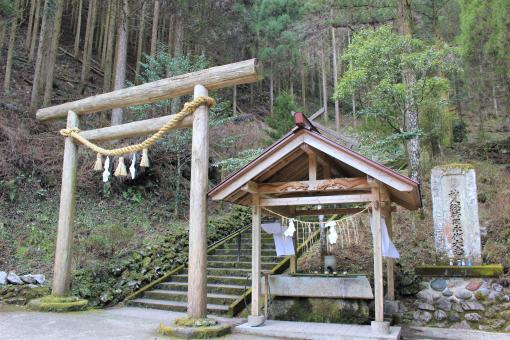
(416, 83)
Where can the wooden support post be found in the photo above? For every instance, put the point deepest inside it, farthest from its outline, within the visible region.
(312, 166)
(378, 261)
(197, 264)
(390, 263)
(293, 258)
(255, 256)
(63, 252)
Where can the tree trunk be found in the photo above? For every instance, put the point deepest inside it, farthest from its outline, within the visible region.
(271, 91)
(43, 51)
(155, 20)
(179, 31)
(3, 28)
(234, 100)
(141, 33)
(35, 30)
(10, 52)
(55, 37)
(409, 79)
(110, 47)
(89, 38)
(120, 65)
(106, 31)
(324, 85)
(30, 24)
(353, 97)
(171, 29)
(335, 77)
(78, 30)
(303, 87)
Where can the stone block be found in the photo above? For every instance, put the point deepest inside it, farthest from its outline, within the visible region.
(356, 287)
(422, 316)
(426, 306)
(425, 296)
(14, 279)
(438, 284)
(473, 317)
(439, 315)
(443, 304)
(455, 211)
(461, 325)
(471, 305)
(473, 285)
(3, 278)
(463, 294)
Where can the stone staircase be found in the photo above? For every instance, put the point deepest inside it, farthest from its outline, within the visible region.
(228, 278)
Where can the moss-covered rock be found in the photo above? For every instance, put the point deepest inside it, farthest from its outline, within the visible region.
(58, 304)
(190, 328)
(21, 294)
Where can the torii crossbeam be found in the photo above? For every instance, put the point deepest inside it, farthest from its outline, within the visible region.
(199, 83)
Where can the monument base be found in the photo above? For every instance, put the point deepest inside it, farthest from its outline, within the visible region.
(380, 327)
(189, 328)
(52, 303)
(256, 320)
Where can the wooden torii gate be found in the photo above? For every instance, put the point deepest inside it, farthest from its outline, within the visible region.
(199, 83)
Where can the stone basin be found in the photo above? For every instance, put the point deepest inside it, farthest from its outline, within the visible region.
(320, 286)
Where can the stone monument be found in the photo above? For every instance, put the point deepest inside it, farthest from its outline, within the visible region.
(455, 211)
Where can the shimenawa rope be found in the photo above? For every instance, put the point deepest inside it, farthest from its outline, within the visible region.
(121, 171)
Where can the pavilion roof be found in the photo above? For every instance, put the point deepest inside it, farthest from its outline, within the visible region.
(286, 160)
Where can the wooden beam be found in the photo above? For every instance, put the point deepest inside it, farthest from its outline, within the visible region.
(312, 166)
(255, 256)
(63, 252)
(323, 185)
(242, 72)
(133, 129)
(378, 260)
(332, 211)
(390, 262)
(197, 263)
(316, 200)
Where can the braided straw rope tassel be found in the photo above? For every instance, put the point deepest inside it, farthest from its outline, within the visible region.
(188, 109)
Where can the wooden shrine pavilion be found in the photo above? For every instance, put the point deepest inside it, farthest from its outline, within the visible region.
(306, 169)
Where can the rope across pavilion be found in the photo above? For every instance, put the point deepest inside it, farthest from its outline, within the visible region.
(188, 108)
(345, 228)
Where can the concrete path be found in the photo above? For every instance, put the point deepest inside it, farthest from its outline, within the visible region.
(138, 323)
(116, 323)
(315, 331)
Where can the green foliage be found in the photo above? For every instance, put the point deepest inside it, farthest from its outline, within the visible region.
(378, 58)
(106, 240)
(108, 282)
(272, 21)
(229, 165)
(281, 121)
(485, 32)
(8, 9)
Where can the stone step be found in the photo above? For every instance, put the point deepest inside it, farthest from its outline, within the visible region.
(263, 252)
(247, 246)
(176, 306)
(220, 279)
(217, 288)
(235, 264)
(177, 295)
(242, 258)
(226, 271)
